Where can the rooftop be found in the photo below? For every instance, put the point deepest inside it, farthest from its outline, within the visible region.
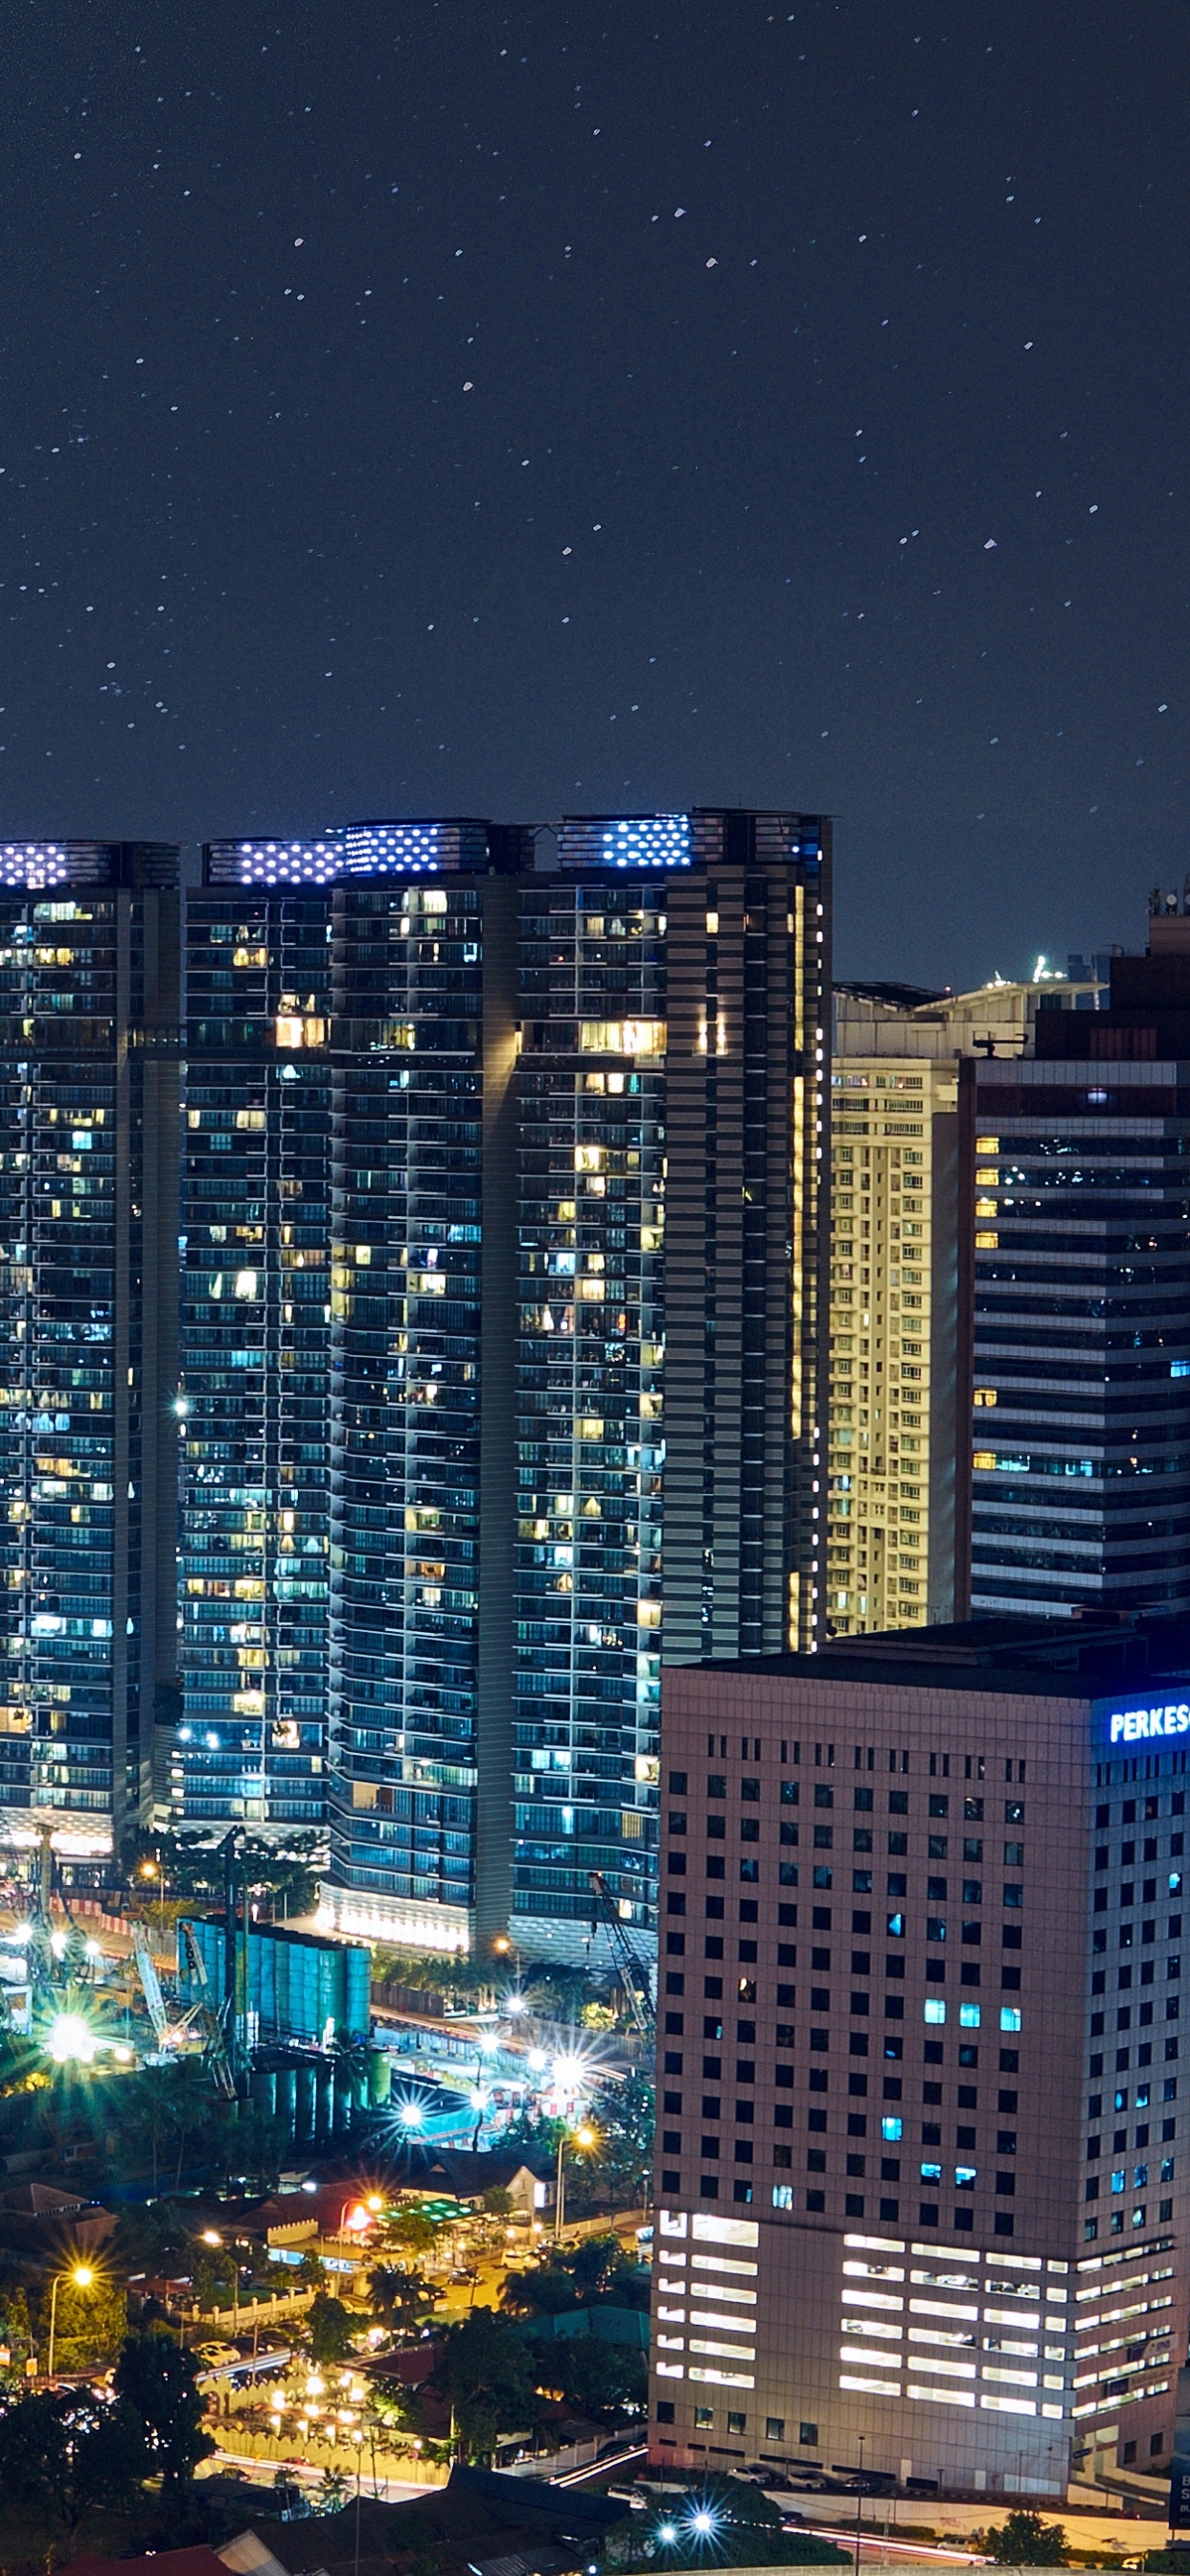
(1080, 1658)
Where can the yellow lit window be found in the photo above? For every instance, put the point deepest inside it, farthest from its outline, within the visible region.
(985, 1207)
(987, 1144)
(988, 1175)
(987, 1242)
(985, 1395)
(984, 1458)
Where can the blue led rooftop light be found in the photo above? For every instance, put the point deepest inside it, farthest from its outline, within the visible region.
(34, 863)
(270, 863)
(394, 849)
(647, 841)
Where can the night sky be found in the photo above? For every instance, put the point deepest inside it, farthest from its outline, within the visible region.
(414, 406)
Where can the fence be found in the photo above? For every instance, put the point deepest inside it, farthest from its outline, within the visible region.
(407, 2469)
(259, 2312)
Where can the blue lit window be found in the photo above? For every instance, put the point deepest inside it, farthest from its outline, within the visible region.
(964, 2177)
(782, 2195)
(891, 2128)
(931, 2173)
(1179, 1368)
(1140, 2177)
(1117, 2180)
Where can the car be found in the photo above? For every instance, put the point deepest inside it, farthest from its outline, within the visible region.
(217, 2355)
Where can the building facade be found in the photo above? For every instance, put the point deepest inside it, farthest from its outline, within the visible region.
(898, 1532)
(347, 1361)
(255, 1343)
(422, 1303)
(921, 2015)
(1081, 1230)
(673, 1106)
(88, 1449)
(901, 1281)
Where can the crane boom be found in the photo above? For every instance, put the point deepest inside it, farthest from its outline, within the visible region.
(634, 1973)
(209, 2023)
(150, 1982)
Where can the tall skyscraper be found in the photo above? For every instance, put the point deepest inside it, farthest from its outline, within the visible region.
(901, 1289)
(674, 1104)
(348, 1345)
(422, 1471)
(919, 2178)
(255, 1341)
(88, 1444)
(1081, 1227)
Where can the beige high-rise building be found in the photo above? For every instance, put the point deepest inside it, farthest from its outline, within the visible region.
(898, 1526)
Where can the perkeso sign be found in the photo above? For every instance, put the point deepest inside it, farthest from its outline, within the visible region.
(1141, 1721)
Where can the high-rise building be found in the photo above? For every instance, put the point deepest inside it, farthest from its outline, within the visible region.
(255, 1338)
(348, 1346)
(88, 1444)
(673, 1103)
(919, 2178)
(901, 1284)
(1081, 1222)
(423, 1321)
(900, 1345)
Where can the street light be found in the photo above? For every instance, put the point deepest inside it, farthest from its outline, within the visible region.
(859, 2502)
(583, 2138)
(82, 2275)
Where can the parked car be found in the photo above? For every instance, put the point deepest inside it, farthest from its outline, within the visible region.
(217, 2355)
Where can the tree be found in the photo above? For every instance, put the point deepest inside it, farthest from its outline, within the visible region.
(64, 2453)
(601, 2378)
(255, 2146)
(16, 2337)
(408, 2229)
(159, 2380)
(487, 2375)
(403, 2300)
(619, 2170)
(89, 2325)
(329, 2327)
(1024, 2540)
(546, 2290)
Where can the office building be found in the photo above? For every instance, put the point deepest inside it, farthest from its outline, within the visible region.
(255, 1340)
(673, 1105)
(88, 1445)
(1081, 1420)
(348, 1347)
(919, 2179)
(899, 1536)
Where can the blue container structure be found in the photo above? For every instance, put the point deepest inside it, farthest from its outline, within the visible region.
(299, 1988)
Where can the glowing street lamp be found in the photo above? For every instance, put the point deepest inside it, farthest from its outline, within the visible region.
(583, 2138)
(82, 2275)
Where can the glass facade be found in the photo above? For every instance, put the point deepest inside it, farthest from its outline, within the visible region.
(673, 1107)
(423, 1173)
(255, 1356)
(349, 1170)
(1081, 1427)
(88, 1272)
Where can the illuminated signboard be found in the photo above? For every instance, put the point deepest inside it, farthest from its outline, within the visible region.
(1141, 1720)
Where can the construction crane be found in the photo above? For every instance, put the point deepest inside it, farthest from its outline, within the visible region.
(150, 1983)
(207, 2017)
(634, 1974)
